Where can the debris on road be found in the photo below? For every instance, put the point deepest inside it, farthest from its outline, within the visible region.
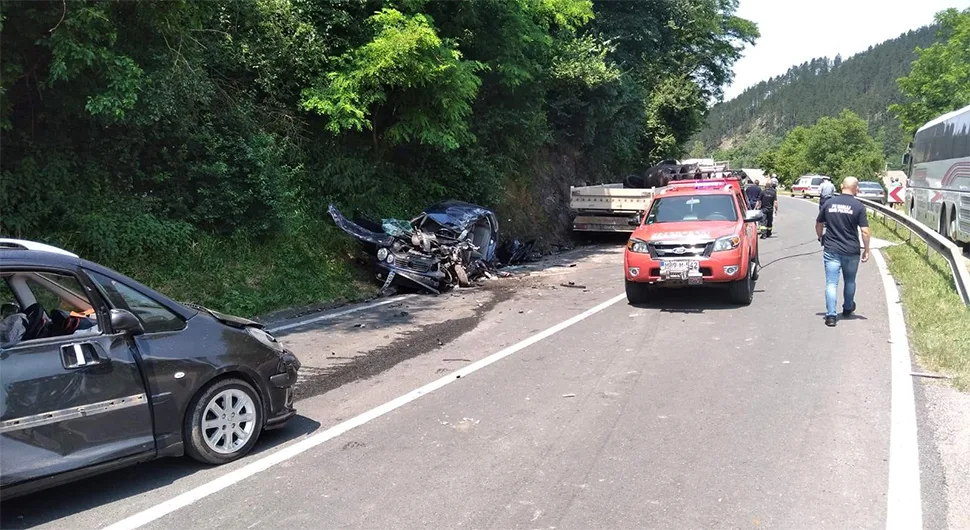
(572, 285)
(929, 375)
(450, 243)
(568, 395)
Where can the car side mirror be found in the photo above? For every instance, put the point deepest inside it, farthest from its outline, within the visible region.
(753, 216)
(635, 221)
(123, 321)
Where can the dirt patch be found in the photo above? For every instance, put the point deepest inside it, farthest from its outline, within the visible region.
(316, 381)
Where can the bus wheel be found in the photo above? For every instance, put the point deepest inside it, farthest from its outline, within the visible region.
(943, 225)
(952, 229)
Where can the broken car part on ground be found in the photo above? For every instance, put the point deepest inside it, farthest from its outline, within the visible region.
(450, 243)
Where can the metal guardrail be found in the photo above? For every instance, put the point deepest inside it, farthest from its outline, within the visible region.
(951, 252)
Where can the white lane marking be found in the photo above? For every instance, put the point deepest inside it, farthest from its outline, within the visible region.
(200, 492)
(904, 501)
(338, 314)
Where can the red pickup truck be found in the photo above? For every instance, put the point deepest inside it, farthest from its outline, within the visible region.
(695, 232)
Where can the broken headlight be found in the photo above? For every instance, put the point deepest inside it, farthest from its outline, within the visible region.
(382, 254)
(265, 338)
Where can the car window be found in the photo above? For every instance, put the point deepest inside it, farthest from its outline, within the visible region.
(67, 310)
(692, 208)
(817, 182)
(44, 287)
(154, 316)
(8, 302)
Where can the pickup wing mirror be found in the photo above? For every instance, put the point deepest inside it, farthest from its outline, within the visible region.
(753, 216)
(635, 221)
(123, 321)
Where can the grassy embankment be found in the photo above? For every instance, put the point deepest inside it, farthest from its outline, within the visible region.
(938, 321)
(248, 277)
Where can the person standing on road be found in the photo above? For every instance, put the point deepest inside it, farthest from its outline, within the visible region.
(825, 192)
(752, 193)
(768, 204)
(837, 227)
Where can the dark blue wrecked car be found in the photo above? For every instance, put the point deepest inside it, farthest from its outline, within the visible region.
(450, 243)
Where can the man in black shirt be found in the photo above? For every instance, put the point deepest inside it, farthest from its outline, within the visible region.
(768, 203)
(752, 192)
(841, 219)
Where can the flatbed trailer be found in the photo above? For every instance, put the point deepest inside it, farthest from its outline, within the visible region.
(614, 208)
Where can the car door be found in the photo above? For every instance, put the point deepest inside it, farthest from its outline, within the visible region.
(68, 401)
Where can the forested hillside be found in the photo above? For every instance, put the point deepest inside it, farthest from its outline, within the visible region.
(195, 145)
(864, 83)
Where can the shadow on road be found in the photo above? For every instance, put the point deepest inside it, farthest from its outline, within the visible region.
(56, 503)
(689, 300)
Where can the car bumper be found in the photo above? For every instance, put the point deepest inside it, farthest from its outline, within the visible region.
(281, 391)
(393, 274)
(722, 267)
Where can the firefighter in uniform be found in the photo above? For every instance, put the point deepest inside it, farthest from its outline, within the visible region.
(768, 204)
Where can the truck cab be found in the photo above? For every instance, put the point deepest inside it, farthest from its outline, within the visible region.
(694, 233)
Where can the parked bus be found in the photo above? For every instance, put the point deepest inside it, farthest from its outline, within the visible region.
(938, 166)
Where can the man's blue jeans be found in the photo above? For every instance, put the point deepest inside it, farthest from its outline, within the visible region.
(848, 265)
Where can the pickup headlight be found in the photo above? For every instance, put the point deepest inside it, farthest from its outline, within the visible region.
(727, 243)
(637, 245)
(268, 340)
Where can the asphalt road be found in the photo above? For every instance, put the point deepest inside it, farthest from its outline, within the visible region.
(687, 413)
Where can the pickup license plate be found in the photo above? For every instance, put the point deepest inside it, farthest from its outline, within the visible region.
(678, 265)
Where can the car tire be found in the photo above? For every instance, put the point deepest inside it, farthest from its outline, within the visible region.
(637, 293)
(462, 275)
(742, 291)
(204, 444)
(756, 265)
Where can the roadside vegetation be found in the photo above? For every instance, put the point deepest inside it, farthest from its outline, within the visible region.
(196, 145)
(938, 321)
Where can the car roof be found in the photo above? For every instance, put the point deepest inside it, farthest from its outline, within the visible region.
(22, 253)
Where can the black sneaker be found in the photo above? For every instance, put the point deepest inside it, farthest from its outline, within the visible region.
(848, 312)
(830, 321)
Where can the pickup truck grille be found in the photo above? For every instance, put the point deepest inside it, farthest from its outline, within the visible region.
(679, 250)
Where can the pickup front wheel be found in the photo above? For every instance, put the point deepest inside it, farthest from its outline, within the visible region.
(223, 422)
(742, 291)
(637, 293)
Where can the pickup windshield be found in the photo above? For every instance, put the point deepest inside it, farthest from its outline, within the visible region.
(692, 208)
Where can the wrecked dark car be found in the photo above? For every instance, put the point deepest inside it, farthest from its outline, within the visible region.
(450, 243)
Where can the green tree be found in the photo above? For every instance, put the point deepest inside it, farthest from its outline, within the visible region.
(940, 78)
(697, 150)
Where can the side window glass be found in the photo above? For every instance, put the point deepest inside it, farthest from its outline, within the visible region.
(43, 305)
(153, 315)
(8, 302)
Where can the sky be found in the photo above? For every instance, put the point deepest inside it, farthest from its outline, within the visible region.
(795, 32)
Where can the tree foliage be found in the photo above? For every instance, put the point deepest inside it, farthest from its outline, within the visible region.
(864, 83)
(837, 147)
(939, 81)
(138, 127)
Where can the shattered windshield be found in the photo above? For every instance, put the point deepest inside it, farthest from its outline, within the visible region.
(692, 208)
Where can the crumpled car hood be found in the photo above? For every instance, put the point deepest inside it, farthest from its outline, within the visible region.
(361, 233)
(229, 320)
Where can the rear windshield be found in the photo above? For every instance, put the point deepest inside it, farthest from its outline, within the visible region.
(873, 185)
(693, 208)
(817, 181)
